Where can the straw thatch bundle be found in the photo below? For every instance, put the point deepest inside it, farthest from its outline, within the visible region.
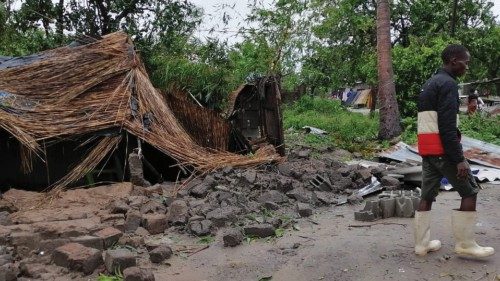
(79, 90)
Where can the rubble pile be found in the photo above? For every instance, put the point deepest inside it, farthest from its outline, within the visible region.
(128, 231)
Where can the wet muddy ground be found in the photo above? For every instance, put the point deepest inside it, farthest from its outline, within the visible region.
(331, 245)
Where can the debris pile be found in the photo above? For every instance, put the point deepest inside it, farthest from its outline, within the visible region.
(125, 226)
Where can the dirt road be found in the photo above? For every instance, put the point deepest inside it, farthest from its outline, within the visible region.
(327, 247)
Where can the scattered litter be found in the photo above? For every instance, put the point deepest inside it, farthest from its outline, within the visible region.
(314, 131)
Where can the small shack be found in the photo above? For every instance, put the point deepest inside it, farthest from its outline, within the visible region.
(66, 111)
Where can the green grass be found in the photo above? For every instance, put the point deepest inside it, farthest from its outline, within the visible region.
(351, 131)
(358, 133)
(477, 126)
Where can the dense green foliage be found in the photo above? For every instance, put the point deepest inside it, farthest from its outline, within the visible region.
(356, 132)
(320, 44)
(347, 130)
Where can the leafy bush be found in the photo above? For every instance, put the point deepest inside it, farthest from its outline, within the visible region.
(477, 126)
(347, 130)
(480, 127)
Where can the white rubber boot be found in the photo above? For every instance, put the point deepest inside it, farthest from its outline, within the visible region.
(463, 224)
(422, 233)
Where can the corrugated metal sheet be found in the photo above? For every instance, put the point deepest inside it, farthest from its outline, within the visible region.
(475, 151)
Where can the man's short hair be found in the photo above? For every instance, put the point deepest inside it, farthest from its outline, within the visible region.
(453, 51)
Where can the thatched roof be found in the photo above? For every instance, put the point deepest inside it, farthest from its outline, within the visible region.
(79, 90)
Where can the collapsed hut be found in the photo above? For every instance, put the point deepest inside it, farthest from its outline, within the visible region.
(98, 94)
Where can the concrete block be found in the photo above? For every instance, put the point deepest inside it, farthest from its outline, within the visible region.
(364, 216)
(374, 207)
(404, 207)
(388, 207)
(416, 202)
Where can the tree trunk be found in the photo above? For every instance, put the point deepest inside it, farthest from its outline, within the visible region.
(60, 19)
(454, 18)
(390, 126)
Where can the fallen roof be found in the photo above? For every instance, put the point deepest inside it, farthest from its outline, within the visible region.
(476, 151)
(97, 86)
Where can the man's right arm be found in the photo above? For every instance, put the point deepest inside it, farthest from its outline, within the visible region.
(447, 109)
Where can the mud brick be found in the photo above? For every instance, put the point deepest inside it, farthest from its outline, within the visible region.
(137, 274)
(29, 240)
(77, 257)
(118, 260)
(89, 241)
(154, 223)
(109, 236)
(49, 245)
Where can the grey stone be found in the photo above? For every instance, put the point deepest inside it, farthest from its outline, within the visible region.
(374, 207)
(284, 184)
(221, 216)
(304, 209)
(272, 196)
(326, 197)
(285, 168)
(196, 218)
(137, 274)
(4, 218)
(345, 172)
(270, 205)
(5, 259)
(178, 212)
(250, 176)
(155, 223)
(49, 245)
(274, 221)
(156, 189)
(364, 174)
(259, 230)
(32, 270)
(89, 241)
(132, 221)
(232, 237)
(304, 153)
(355, 198)
(388, 207)
(200, 228)
(160, 253)
(342, 183)
(390, 181)
(200, 191)
(77, 257)
(153, 207)
(136, 170)
(227, 170)
(302, 195)
(119, 207)
(118, 260)
(8, 272)
(137, 202)
(29, 240)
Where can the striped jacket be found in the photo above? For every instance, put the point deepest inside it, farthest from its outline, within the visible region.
(438, 107)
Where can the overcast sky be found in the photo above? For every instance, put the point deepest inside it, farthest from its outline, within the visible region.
(237, 11)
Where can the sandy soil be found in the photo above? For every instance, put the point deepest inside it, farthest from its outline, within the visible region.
(327, 247)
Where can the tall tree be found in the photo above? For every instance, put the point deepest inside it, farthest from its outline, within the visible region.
(389, 112)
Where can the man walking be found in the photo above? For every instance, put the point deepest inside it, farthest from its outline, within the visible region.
(442, 156)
